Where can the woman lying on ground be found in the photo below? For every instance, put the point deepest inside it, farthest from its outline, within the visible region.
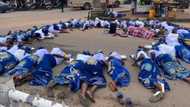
(150, 75)
(43, 72)
(118, 72)
(172, 68)
(84, 72)
(92, 76)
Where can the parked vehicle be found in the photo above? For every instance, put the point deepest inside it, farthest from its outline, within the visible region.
(183, 4)
(88, 4)
(4, 7)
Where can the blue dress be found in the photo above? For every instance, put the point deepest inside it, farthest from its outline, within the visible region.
(7, 61)
(119, 73)
(183, 53)
(43, 72)
(172, 69)
(24, 67)
(185, 39)
(70, 75)
(78, 72)
(94, 74)
(149, 75)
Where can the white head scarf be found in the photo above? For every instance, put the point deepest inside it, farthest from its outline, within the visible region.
(41, 52)
(83, 57)
(99, 57)
(58, 51)
(166, 49)
(116, 55)
(13, 49)
(19, 54)
(141, 53)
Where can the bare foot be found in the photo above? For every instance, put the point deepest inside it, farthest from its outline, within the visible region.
(90, 96)
(84, 101)
(112, 86)
(61, 95)
(50, 93)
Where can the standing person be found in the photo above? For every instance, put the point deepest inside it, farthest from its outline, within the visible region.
(63, 2)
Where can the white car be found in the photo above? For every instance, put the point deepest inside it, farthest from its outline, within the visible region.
(88, 4)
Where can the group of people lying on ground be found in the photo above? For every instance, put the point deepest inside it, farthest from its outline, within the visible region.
(138, 28)
(164, 59)
(24, 63)
(84, 73)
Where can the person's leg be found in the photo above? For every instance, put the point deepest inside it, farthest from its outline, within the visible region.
(160, 87)
(187, 80)
(64, 31)
(82, 96)
(62, 7)
(159, 94)
(83, 90)
(113, 86)
(90, 93)
(50, 88)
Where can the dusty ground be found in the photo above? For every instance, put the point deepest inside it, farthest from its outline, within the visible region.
(93, 40)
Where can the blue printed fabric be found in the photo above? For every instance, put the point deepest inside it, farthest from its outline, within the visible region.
(183, 53)
(79, 71)
(119, 73)
(7, 61)
(171, 68)
(24, 67)
(185, 39)
(70, 76)
(94, 74)
(43, 72)
(149, 75)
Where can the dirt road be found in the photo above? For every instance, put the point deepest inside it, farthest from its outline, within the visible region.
(93, 40)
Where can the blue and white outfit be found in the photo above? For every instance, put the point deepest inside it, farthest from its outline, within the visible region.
(24, 67)
(71, 74)
(149, 75)
(118, 71)
(10, 58)
(185, 39)
(172, 69)
(7, 61)
(183, 53)
(43, 72)
(95, 67)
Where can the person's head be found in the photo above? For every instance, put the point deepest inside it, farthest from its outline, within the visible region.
(152, 54)
(174, 30)
(86, 52)
(9, 42)
(9, 33)
(141, 55)
(40, 52)
(115, 54)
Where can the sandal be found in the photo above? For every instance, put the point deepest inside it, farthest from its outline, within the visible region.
(156, 97)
